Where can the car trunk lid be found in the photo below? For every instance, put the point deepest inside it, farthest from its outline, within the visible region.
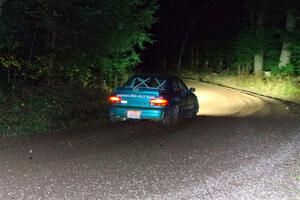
(136, 97)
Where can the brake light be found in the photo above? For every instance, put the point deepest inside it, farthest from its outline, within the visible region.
(114, 99)
(159, 102)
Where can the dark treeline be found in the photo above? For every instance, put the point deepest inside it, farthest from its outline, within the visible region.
(58, 57)
(227, 36)
(74, 41)
(86, 42)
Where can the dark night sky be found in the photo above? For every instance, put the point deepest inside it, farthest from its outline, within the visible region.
(218, 21)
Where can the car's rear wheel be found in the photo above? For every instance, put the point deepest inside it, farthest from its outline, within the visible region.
(195, 109)
(171, 116)
(113, 119)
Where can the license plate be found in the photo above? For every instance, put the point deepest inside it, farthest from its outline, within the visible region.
(133, 114)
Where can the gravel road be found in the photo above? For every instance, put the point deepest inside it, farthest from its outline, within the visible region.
(240, 147)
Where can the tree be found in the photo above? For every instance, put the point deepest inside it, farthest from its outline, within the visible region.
(78, 40)
(286, 52)
(184, 42)
(257, 44)
(1, 3)
(259, 55)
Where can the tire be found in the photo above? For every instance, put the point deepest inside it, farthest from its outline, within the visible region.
(195, 109)
(113, 119)
(171, 117)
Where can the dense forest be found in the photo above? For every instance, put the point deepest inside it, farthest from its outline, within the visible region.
(76, 41)
(250, 45)
(241, 36)
(58, 58)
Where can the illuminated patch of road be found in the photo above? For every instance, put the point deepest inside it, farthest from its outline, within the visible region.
(221, 101)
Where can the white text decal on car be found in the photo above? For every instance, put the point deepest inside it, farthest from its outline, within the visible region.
(136, 96)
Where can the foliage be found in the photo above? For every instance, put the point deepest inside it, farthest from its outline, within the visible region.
(285, 71)
(286, 87)
(38, 110)
(230, 44)
(248, 44)
(46, 44)
(245, 47)
(75, 40)
(296, 52)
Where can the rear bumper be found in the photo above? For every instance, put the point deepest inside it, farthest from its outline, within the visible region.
(146, 113)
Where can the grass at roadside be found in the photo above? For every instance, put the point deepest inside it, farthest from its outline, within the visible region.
(285, 88)
(38, 110)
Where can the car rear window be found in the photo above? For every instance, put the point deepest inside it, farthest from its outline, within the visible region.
(147, 82)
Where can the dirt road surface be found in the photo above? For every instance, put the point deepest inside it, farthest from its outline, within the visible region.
(240, 147)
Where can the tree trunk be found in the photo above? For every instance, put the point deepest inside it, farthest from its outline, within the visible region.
(221, 65)
(206, 61)
(258, 63)
(53, 38)
(259, 56)
(197, 58)
(239, 69)
(1, 3)
(248, 67)
(285, 56)
(181, 52)
(192, 59)
(184, 42)
(33, 43)
(165, 59)
(52, 46)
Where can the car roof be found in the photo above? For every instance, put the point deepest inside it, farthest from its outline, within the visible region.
(164, 76)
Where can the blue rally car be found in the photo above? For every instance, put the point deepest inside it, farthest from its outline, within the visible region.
(162, 98)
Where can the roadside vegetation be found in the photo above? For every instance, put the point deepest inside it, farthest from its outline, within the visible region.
(262, 57)
(280, 87)
(285, 88)
(36, 110)
(58, 59)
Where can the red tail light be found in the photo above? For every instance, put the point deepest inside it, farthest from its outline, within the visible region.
(114, 99)
(159, 102)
